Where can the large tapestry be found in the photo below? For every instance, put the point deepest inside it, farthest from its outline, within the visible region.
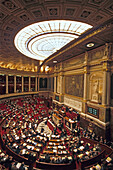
(74, 85)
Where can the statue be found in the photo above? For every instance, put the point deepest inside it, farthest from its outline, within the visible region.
(95, 91)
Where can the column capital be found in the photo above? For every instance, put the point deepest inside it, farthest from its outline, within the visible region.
(106, 66)
(86, 69)
(107, 51)
(55, 74)
(61, 74)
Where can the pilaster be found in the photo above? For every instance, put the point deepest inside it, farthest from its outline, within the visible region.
(106, 75)
(29, 83)
(86, 82)
(6, 84)
(14, 83)
(35, 83)
(22, 84)
(55, 81)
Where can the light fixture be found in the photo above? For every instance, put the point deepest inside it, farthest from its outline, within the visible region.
(42, 39)
(91, 44)
(46, 68)
(54, 61)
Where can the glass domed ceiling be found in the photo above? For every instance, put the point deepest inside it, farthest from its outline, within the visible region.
(42, 39)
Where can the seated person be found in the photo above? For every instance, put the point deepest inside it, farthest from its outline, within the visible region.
(66, 160)
(86, 147)
(47, 158)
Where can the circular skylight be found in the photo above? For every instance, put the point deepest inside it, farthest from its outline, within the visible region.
(42, 39)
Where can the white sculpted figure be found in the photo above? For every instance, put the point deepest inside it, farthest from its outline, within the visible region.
(95, 91)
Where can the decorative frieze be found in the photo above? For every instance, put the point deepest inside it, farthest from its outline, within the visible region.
(75, 61)
(73, 103)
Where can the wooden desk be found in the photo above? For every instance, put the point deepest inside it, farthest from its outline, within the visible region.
(70, 123)
(56, 119)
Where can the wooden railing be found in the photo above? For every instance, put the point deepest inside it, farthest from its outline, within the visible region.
(51, 166)
(91, 161)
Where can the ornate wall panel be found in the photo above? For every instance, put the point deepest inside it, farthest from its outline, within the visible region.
(73, 103)
(74, 85)
(96, 85)
(96, 54)
(59, 79)
(75, 61)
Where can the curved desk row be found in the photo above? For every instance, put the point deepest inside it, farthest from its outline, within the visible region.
(106, 150)
(91, 161)
(43, 165)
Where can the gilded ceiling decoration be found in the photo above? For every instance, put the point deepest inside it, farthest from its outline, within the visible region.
(15, 15)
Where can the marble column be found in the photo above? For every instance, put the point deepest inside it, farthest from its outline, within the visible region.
(29, 83)
(106, 75)
(35, 83)
(14, 84)
(22, 84)
(6, 84)
(106, 88)
(52, 87)
(61, 83)
(86, 77)
(86, 89)
(55, 84)
(38, 83)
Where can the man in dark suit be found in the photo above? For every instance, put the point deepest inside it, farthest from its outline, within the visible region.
(47, 158)
(73, 161)
(66, 160)
(86, 147)
(8, 162)
(22, 167)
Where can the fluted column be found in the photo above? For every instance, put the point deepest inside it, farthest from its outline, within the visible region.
(38, 83)
(86, 82)
(29, 83)
(106, 75)
(22, 84)
(55, 84)
(106, 88)
(6, 84)
(52, 84)
(61, 83)
(14, 84)
(35, 83)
